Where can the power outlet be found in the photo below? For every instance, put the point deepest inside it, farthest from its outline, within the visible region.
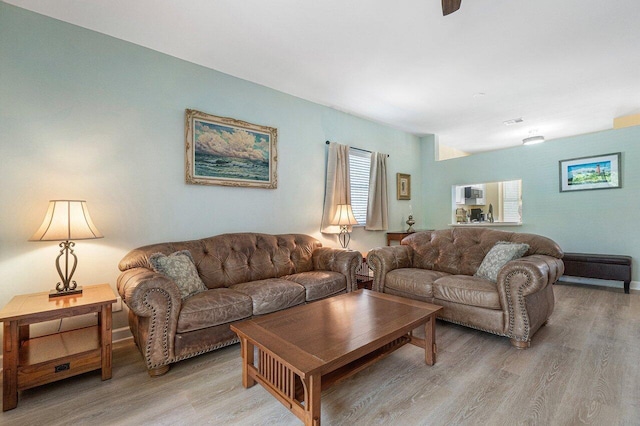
(117, 305)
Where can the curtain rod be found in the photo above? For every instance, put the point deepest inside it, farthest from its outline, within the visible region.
(357, 149)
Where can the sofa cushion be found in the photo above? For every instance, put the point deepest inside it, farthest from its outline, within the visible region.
(179, 266)
(467, 290)
(213, 307)
(412, 282)
(272, 294)
(501, 253)
(319, 284)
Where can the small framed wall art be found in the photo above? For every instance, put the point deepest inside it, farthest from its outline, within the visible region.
(404, 186)
(230, 152)
(599, 172)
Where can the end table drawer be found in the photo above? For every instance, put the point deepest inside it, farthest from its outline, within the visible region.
(35, 375)
(58, 356)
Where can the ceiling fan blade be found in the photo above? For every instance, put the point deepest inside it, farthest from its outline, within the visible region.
(450, 6)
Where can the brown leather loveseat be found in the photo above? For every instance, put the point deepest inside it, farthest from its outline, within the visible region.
(440, 267)
(245, 274)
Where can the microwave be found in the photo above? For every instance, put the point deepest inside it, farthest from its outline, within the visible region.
(470, 192)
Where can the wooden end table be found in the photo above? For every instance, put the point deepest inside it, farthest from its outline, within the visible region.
(398, 236)
(30, 362)
(363, 277)
(305, 349)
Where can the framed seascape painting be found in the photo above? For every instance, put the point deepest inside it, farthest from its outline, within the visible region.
(230, 152)
(600, 172)
(403, 182)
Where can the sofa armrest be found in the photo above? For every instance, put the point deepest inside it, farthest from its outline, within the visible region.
(537, 270)
(344, 261)
(525, 277)
(156, 300)
(384, 259)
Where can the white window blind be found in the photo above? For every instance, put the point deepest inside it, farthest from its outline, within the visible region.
(511, 201)
(359, 164)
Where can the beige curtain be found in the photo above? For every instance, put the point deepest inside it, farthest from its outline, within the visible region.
(338, 186)
(378, 205)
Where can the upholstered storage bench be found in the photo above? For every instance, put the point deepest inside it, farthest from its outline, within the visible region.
(241, 275)
(601, 266)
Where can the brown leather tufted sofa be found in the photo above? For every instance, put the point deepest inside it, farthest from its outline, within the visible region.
(246, 274)
(439, 267)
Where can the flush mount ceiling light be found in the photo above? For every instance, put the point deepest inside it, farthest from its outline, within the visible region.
(532, 140)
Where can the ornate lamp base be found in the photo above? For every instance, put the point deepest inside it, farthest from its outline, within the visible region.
(58, 293)
(344, 237)
(67, 286)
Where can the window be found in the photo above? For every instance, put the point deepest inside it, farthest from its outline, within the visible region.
(511, 201)
(472, 202)
(359, 165)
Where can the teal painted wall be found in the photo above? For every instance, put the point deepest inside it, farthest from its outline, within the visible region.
(597, 221)
(87, 116)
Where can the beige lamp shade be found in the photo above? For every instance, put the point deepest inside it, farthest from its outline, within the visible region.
(344, 216)
(66, 220)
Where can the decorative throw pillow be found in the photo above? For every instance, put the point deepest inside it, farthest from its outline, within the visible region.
(181, 268)
(498, 256)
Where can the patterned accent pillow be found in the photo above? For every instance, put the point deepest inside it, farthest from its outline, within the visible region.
(501, 253)
(181, 268)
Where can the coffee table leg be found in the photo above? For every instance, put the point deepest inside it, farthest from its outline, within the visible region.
(247, 360)
(312, 402)
(430, 341)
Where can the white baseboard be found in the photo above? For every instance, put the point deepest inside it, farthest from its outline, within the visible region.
(635, 285)
(117, 335)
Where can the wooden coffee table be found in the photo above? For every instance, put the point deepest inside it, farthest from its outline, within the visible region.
(303, 350)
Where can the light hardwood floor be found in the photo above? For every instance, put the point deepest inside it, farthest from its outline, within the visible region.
(582, 368)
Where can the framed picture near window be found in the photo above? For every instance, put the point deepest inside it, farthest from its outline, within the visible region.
(404, 186)
(599, 172)
(230, 152)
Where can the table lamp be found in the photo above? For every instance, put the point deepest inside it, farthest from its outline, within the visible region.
(344, 218)
(66, 220)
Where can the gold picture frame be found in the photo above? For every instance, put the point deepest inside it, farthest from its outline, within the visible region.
(229, 152)
(403, 182)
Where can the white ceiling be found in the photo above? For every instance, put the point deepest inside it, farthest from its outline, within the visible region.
(565, 66)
